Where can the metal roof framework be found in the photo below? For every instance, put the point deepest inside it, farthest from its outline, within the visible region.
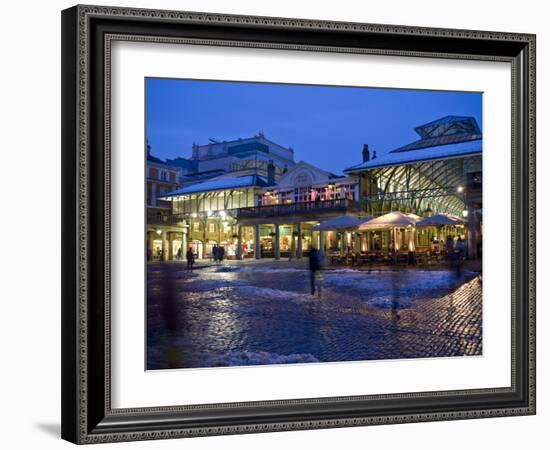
(435, 186)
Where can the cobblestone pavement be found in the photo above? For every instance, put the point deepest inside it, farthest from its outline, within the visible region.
(245, 313)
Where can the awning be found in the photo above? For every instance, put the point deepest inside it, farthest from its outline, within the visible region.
(394, 219)
(341, 223)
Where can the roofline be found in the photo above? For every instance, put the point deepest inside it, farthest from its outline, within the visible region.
(173, 194)
(477, 137)
(443, 118)
(291, 150)
(405, 163)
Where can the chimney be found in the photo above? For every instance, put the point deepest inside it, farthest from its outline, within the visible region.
(374, 154)
(148, 148)
(270, 173)
(366, 153)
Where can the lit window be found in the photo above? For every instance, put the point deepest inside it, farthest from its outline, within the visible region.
(212, 228)
(196, 226)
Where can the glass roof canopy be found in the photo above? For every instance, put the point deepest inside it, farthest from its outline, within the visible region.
(424, 188)
(427, 176)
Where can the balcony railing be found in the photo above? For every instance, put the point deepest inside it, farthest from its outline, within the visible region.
(287, 209)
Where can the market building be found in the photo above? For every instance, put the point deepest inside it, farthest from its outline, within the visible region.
(439, 173)
(285, 213)
(219, 178)
(252, 198)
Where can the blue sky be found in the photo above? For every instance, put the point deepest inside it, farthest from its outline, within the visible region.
(326, 125)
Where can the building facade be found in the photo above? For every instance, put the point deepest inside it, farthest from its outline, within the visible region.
(439, 173)
(164, 238)
(252, 198)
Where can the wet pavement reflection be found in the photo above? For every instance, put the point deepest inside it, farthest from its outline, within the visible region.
(264, 313)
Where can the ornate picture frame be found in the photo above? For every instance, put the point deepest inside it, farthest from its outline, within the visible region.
(87, 35)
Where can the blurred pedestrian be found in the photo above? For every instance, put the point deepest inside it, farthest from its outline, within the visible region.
(215, 253)
(190, 258)
(314, 267)
(221, 253)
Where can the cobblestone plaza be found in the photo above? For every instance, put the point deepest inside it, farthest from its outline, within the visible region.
(262, 312)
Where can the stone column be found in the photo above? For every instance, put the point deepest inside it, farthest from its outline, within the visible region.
(411, 245)
(356, 242)
(183, 244)
(299, 249)
(239, 252)
(164, 252)
(411, 259)
(170, 246)
(257, 248)
(277, 243)
(322, 245)
(344, 245)
(292, 242)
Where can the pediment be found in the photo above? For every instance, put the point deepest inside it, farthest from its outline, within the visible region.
(304, 174)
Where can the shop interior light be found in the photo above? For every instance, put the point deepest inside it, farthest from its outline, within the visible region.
(465, 213)
(460, 189)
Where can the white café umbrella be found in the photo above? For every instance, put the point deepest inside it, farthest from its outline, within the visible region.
(440, 220)
(341, 223)
(392, 221)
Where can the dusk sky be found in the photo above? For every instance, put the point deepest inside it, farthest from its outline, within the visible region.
(326, 126)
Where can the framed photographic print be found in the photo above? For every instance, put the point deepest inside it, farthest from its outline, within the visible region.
(278, 224)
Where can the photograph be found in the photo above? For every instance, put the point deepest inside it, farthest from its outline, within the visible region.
(303, 224)
(272, 220)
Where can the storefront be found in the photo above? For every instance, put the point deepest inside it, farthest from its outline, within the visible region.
(177, 249)
(197, 248)
(157, 250)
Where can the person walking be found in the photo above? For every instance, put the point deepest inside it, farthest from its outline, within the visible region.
(190, 258)
(215, 253)
(450, 247)
(314, 266)
(221, 253)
